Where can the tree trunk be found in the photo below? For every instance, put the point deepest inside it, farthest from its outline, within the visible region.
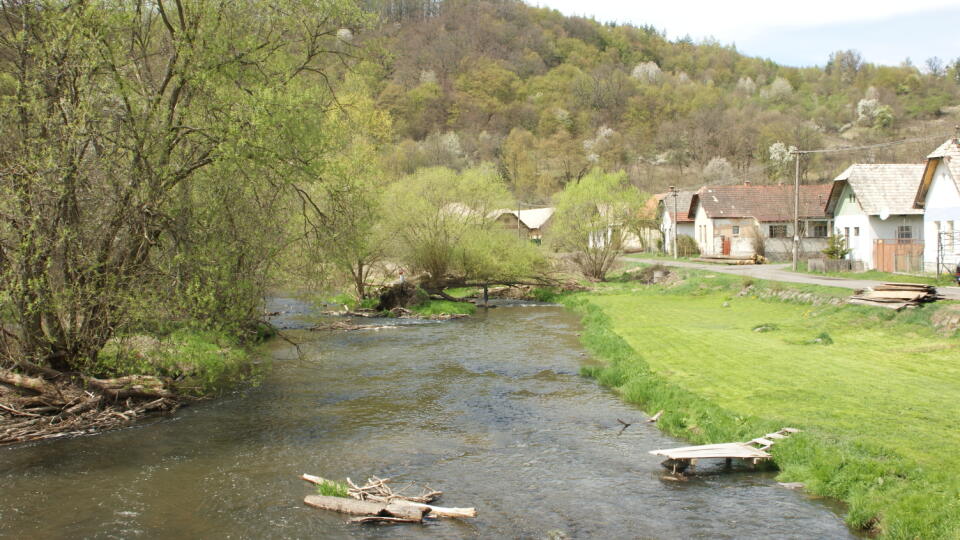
(365, 508)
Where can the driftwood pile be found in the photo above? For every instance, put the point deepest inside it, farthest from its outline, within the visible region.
(377, 502)
(896, 296)
(53, 404)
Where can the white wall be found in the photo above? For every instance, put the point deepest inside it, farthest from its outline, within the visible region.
(849, 216)
(942, 205)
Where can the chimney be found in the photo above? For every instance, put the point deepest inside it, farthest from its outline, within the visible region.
(746, 182)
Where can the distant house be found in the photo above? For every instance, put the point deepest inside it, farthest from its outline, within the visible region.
(873, 210)
(531, 223)
(672, 210)
(939, 197)
(746, 220)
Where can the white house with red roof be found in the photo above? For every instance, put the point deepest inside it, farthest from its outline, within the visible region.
(746, 220)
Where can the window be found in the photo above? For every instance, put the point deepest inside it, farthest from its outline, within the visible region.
(846, 233)
(856, 231)
(852, 198)
(820, 229)
(778, 231)
(736, 230)
(904, 232)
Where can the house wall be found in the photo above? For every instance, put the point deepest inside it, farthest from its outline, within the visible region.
(850, 217)
(942, 205)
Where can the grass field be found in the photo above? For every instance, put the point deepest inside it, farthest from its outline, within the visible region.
(875, 393)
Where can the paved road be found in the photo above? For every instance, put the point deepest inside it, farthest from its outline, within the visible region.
(781, 272)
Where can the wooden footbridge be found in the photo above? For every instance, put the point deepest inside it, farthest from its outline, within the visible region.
(755, 451)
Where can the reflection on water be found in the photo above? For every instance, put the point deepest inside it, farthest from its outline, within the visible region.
(491, 410)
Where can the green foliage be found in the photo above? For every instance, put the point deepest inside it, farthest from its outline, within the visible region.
(444, 223)
(592, 219)
(836, 247)
(687, 246)
(444, 307)
(200, 362)
(329, 488)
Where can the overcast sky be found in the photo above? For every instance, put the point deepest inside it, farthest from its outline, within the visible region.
(796, 33)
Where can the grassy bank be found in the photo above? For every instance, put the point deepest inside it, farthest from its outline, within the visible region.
(874, 392)
(200, 362)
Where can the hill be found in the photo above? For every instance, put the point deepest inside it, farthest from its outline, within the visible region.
(547, 97)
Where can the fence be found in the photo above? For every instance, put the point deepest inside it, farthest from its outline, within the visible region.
(948, 252)
(834, 265)
(898, 255)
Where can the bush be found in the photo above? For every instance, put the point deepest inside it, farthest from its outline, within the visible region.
(687, 246)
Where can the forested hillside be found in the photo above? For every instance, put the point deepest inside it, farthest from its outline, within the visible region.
(547, 97)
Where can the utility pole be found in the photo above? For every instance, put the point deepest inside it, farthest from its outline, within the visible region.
(796, 210)
(676, 217)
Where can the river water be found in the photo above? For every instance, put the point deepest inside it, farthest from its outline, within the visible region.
(491, 410)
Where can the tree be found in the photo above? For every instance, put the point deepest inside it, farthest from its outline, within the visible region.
(118, 106)
(342, 214)
(443, 225)
(592, 219)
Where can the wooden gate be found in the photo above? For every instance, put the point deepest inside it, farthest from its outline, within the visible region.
(726, 245)
(898, 255)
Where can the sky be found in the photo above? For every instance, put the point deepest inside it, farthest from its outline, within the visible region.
(795, 33)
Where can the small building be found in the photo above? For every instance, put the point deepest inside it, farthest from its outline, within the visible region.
(532, 223)
(673, 212)
(938, 196)
(746, 220)
(872, 207)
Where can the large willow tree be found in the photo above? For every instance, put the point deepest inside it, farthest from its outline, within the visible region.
(130, 125)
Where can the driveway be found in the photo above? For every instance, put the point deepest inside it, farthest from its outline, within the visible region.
(781, 272)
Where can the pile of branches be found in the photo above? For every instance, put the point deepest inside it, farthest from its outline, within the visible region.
(376, 502)
(50, 404)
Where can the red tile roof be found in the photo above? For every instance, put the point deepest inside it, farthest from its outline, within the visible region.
(763, 203)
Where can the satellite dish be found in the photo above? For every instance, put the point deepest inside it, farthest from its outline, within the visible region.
(884, 213)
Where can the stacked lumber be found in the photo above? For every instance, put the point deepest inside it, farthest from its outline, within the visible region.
(377, 502)
(896, 296)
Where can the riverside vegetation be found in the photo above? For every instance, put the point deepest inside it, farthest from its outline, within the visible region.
(874, 392)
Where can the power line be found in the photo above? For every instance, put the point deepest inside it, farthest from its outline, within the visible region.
(867, 146)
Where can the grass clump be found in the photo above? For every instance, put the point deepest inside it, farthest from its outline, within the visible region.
(872, 406)
(444, 307)
(200, 362)
(330, 488)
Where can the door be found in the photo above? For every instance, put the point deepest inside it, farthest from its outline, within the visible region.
(726, 245)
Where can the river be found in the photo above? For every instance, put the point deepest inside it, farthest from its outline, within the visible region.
(491, 410)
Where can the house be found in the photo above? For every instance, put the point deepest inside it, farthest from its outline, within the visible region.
(939, 197)
(872, 206)
(531, 223)
(672, 211)
(746, 220)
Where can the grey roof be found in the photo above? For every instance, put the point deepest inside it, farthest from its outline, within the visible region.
(682, 205)
(884, 188)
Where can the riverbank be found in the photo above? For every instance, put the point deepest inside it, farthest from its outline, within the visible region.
(132, 377)
(874, 391)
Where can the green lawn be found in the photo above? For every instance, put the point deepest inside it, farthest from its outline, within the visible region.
(879, 405)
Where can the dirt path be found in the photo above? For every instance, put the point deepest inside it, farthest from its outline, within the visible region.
(781, 272)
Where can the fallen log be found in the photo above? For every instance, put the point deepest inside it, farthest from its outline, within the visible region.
(366, 508)
(33, 384)
(387, 497)
(133, 386)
